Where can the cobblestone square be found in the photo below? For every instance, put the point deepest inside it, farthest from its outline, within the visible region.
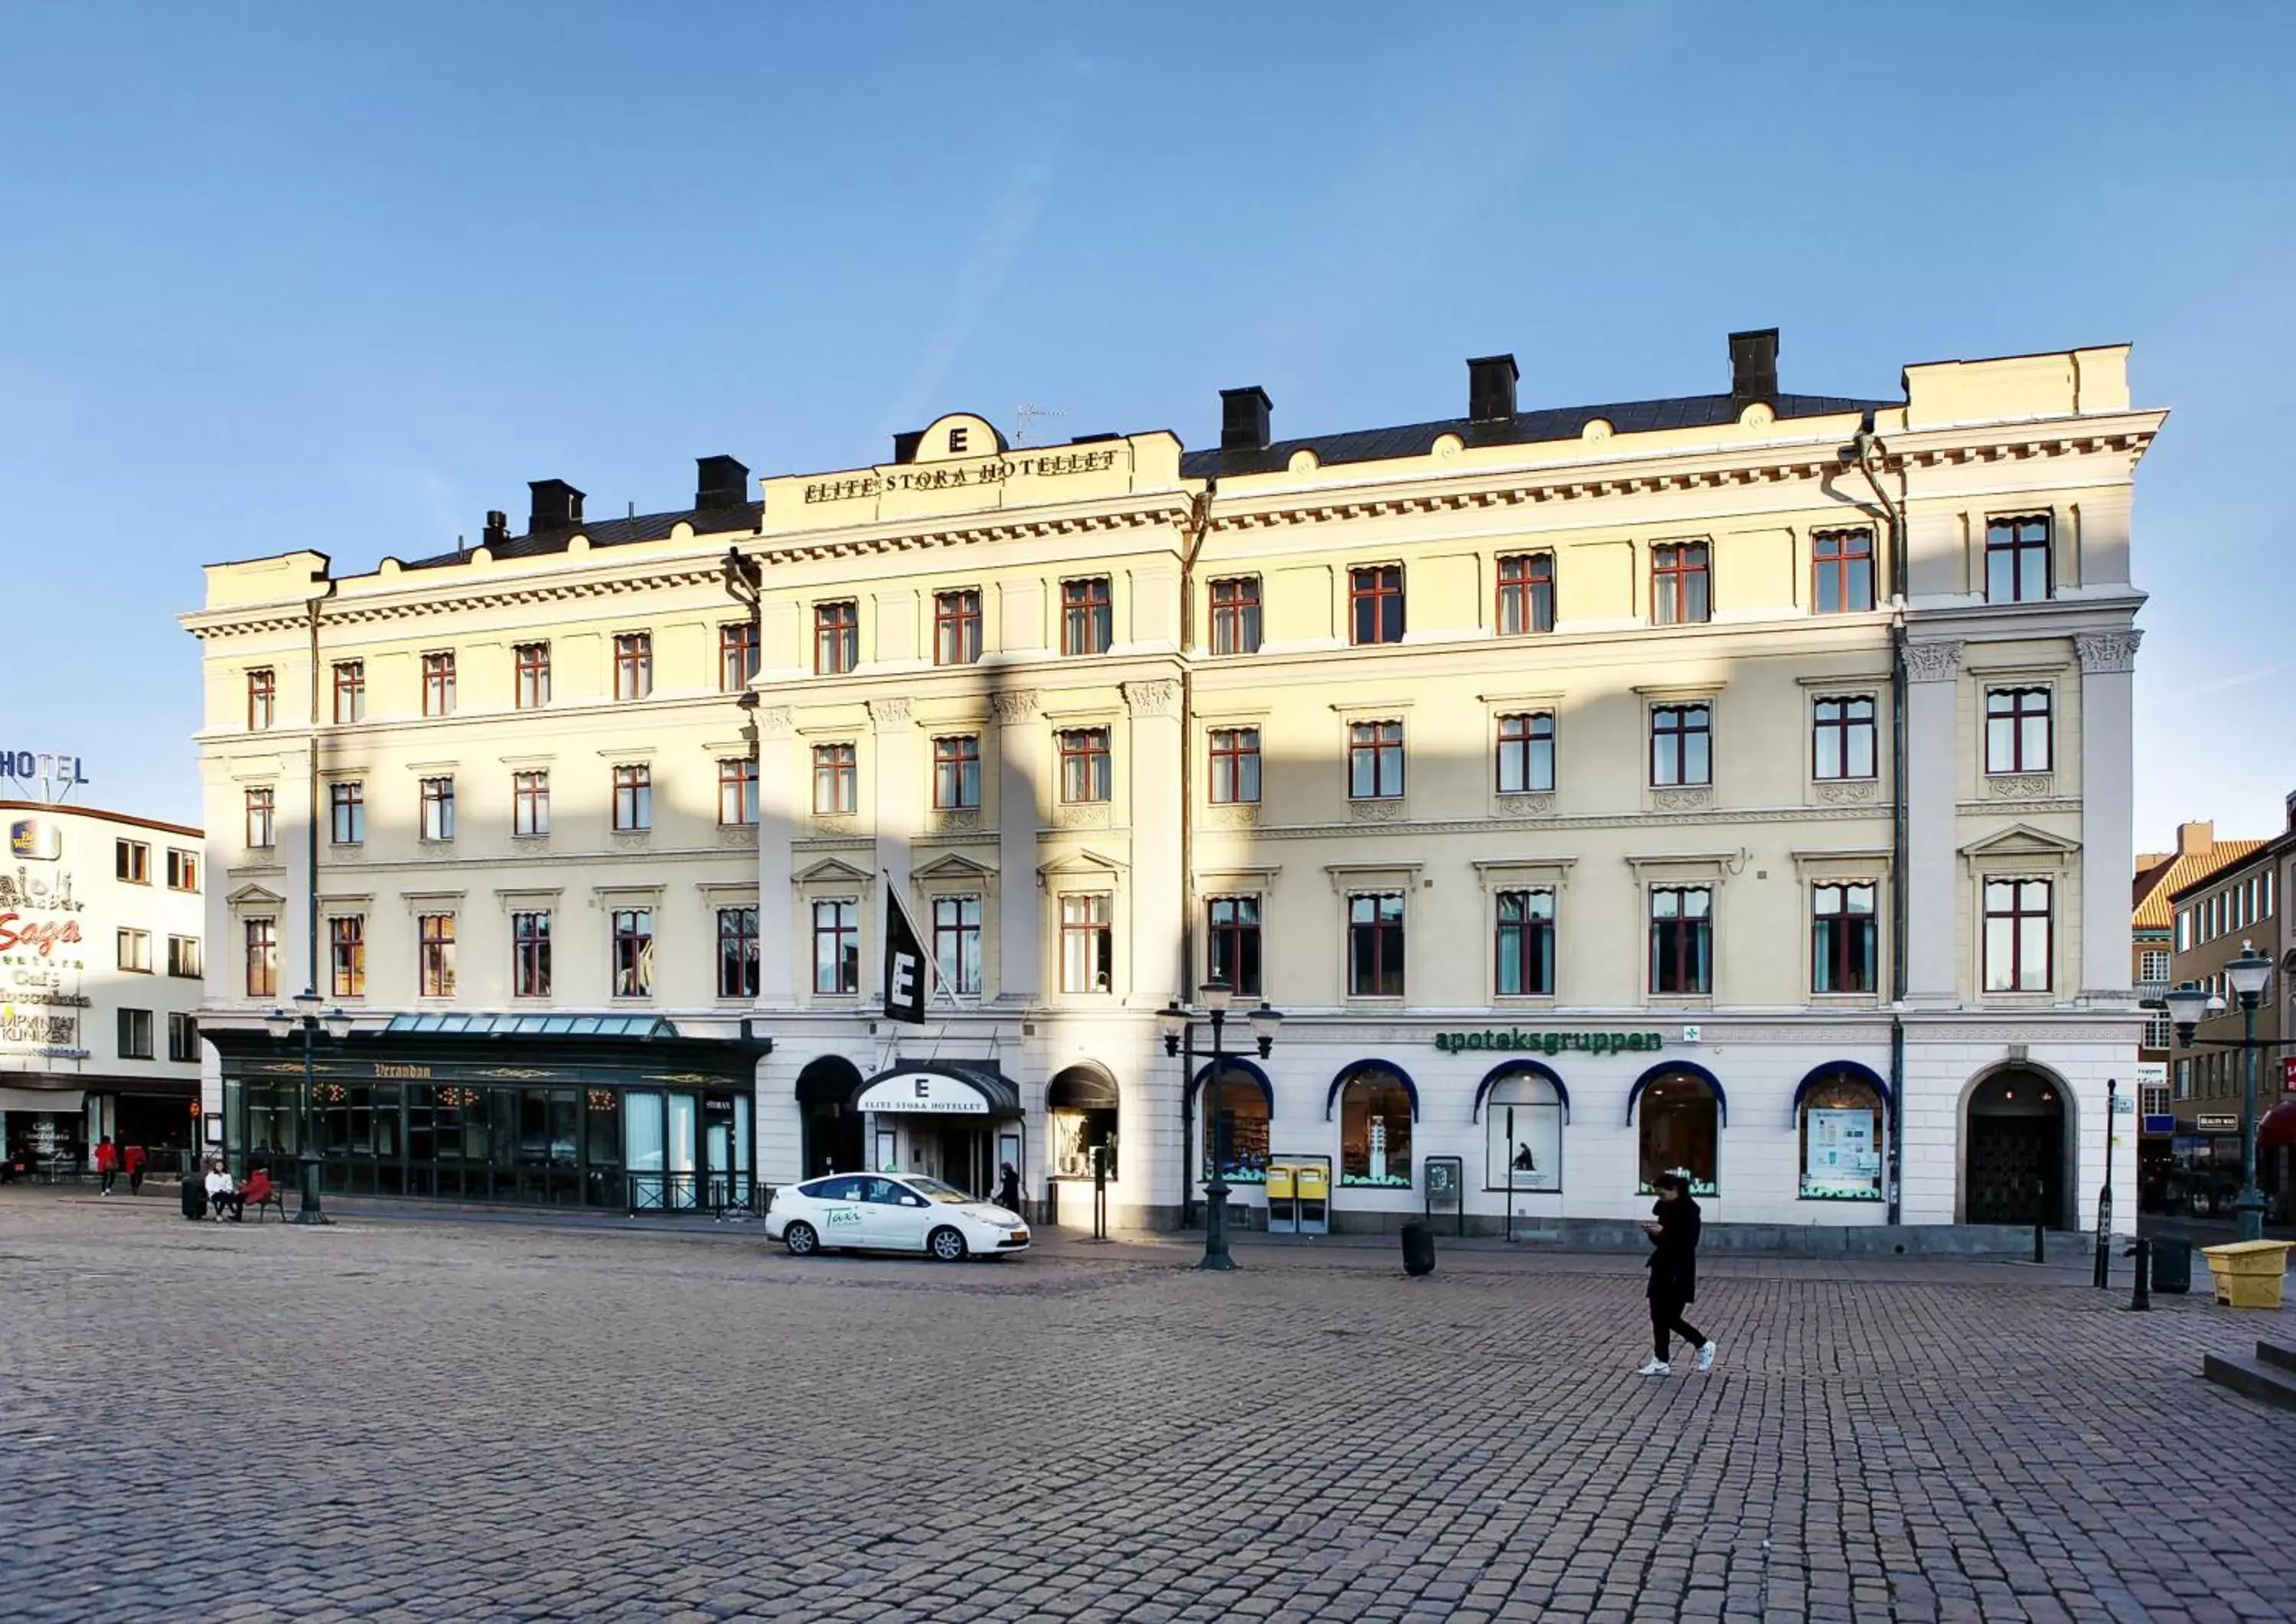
(401, 1419)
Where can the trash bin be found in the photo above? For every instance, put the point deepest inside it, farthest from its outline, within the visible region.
(2249, 1273)
(1418, 1248)
(2172, 1265)
(195, 1197)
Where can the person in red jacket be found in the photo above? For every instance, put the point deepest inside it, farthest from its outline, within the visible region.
(131, 1159)
(107, 1161)
(256, 1188)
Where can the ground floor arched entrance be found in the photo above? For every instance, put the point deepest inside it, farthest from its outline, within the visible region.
(831, 1123)
(2014, 1162)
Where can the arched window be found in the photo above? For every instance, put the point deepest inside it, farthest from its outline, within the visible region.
(1235, 1127)
(1522, 1135)
(1375, 1108)
(1841, 1114)
(1081, 1111)
(1681, 1123)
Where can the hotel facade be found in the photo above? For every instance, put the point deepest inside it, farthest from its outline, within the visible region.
(1712, 783)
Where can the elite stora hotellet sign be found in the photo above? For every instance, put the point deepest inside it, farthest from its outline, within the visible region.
(1516, 1040)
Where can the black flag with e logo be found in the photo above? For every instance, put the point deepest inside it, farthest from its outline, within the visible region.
(906, 972)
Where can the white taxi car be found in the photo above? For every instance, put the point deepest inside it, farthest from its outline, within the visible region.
(891, 1212)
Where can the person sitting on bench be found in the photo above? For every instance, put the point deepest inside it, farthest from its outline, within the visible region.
(258, 1191)
(222, 1193)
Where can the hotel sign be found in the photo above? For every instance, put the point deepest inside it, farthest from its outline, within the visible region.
(1516, 1040)
(928, 1094)
(952, 476)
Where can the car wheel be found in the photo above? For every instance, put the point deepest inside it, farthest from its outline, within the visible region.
(801, 1240)
(946, 1244)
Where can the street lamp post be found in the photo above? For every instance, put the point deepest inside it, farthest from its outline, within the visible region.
(306, 1018)
(2249, 974)
(1179, 1033)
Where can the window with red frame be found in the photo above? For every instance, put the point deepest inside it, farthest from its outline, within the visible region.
(1088, 616)
(2017, 730)
(1375, 604)
(836, 638)
(1678, 583)
(2017, 935)
(1841, 571)
(1526, 594)
(1236, 616)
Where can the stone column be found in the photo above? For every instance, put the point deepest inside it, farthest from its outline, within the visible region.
(780, 784)
(2108, 662)
(1020, 758)
(1157, 893)
(1933, 784)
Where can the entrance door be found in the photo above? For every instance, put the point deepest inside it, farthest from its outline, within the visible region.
(2014, 1167)
(717, 1157)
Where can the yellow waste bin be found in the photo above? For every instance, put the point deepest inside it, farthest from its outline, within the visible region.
(2249, 1273)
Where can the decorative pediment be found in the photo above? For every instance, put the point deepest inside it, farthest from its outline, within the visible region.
(832, 871)
(2020, 841)
(252, 895)
(1081, 863)
(954, 866)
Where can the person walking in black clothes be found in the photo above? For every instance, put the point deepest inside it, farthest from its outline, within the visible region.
(1008, 1189)
(1674, 1275)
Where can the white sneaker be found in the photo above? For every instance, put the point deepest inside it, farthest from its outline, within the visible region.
(1706, 1355)
(1656, 1368)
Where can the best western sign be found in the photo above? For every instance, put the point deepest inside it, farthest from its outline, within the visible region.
(1516, 1040)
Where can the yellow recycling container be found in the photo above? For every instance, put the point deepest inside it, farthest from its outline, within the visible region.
(2249, 1273)
(1279, 1181)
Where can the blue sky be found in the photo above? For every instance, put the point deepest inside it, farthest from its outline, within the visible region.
(277, 275)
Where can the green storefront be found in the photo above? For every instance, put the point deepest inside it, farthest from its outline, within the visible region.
(617, 1113)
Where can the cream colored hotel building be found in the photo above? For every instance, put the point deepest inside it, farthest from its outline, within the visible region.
(1673, 784)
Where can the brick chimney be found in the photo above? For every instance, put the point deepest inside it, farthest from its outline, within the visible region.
(2194, 839)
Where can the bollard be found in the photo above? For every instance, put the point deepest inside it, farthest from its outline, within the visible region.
(2140, 1290)
(1418, 1248)
(2040, 1221)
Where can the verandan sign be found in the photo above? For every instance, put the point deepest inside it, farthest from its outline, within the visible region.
(1515, 1039)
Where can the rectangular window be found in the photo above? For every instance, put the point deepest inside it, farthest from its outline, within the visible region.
(136, 951)
(1375, 604)
(1375, 945)
(737, 791)
(530, 951)
(1235, 765)
(1526, 594)
(1527, 753)
(834, 793)
(182, 870)
(438, 809)
(1841, 737)
(1233, 936)
(2159, 1031)
(632, 665)
(2017, 730)
(346, 813)
(1842, 938)
(2017, 560)
(1841, 571)
(1681, 744)
(836, 638)
(135, 1034)
(1525, 954)
(261, 937)
(131, 860)
(262, 697)
(183, 956)
(632, 799)
(836, 945)
(956, 627)
(347, 956)
(350, 690)
(633, 953)
(956, 772)
(438, 684)
(2154, 964)
(1678, 584)
(1088, 616)
(737, 655)
(1235, 615)
(737, 952)
(1085, 773)
(434, 935)
(529, 803)
(956, 942)
(2184, 1079)
(183, 1037)
(1681, 940)
(262, 824)
(1374, 760)
(530, 676)
(2185, 931)
(2017, 930)
(1087, 943)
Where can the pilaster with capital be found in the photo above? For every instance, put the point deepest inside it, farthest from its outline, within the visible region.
(1021, 759)
(1932, 777)
(778, 781)
(894, 791)
(1159, 890)
(2108, 743)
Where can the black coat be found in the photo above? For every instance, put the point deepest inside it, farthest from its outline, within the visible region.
(1674, 1253)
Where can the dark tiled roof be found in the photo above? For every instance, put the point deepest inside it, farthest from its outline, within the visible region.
(616, 532)
(1524, 428)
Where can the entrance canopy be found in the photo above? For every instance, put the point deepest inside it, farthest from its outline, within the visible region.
(939, 1089)
(2277, 1128)
(67, 1101)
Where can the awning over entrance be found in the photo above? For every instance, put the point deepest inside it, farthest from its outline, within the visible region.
(69, 1101)
(2277, 1130)
(940, 1089)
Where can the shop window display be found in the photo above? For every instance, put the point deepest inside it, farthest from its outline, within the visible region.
(1841, 1140)
(1530, 1156)
(1680, 1117)
(1375, 1130)
(1236, 1123)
